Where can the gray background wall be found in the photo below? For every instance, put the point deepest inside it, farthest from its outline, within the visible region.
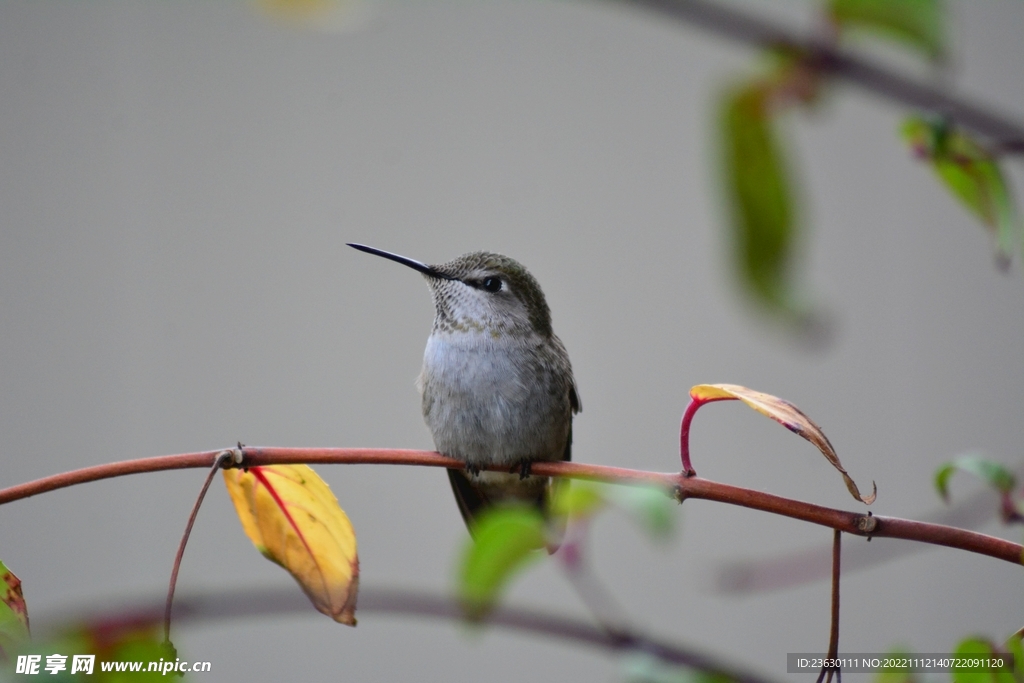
(178, 181)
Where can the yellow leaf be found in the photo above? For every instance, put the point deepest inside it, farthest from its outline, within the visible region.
(786, 414)
(291, 516)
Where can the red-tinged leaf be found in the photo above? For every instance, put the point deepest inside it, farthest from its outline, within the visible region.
(919, 24)
(14, 631)
(972, 174)
(291, 516)
(786, 414)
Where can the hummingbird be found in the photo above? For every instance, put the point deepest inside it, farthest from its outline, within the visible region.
(497, 386)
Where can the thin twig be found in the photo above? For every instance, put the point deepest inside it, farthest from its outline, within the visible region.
(235, 603)
(833, 638)
(218, 462)
(684, 436)
(682, 487)
(1006, 135)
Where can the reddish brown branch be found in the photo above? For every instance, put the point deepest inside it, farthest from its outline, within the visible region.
(833, 638)
(218, 462)
(682, 488)
(159, 463)
(684, 437)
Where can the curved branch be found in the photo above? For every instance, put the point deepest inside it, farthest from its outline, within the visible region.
(681, 487)
(1007, 135)
(158, 463)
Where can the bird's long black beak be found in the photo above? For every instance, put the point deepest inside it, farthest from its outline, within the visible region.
(429, 271)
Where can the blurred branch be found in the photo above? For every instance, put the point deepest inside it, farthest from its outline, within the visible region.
(680, 486)
(246, 603)
(1006, 135)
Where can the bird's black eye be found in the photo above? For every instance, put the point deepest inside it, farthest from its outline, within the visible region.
(492, 284)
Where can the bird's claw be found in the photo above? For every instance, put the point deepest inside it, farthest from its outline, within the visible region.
(524, 469)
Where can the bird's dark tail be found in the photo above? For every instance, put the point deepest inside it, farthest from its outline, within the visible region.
(475, 496)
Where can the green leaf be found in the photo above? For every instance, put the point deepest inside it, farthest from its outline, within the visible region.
(14, 633)
(169, 653)
(971, 173)
(1014, 647)
(581, 499)
(653, 508)
(506, 539)
(758, 195)
(992, 473)
(978, 647)
(919, 24)
(110, 641)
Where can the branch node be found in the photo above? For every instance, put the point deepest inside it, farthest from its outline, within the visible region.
(679, 494)
(236, 457)
(867, 524)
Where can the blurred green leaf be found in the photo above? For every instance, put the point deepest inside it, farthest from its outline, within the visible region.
(992, 473)
(131, 641)
(581, 499)
(971, 173)
(919, 24)
(504, 540)
(138, 647)
(978, 647)
(1014, 647)
(653, 508)
(14, 633)
(758, 195)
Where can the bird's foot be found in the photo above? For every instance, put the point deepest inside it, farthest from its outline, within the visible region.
(524, 469)
(472, 469)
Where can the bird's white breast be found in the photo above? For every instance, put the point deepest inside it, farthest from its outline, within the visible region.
(493, 400)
